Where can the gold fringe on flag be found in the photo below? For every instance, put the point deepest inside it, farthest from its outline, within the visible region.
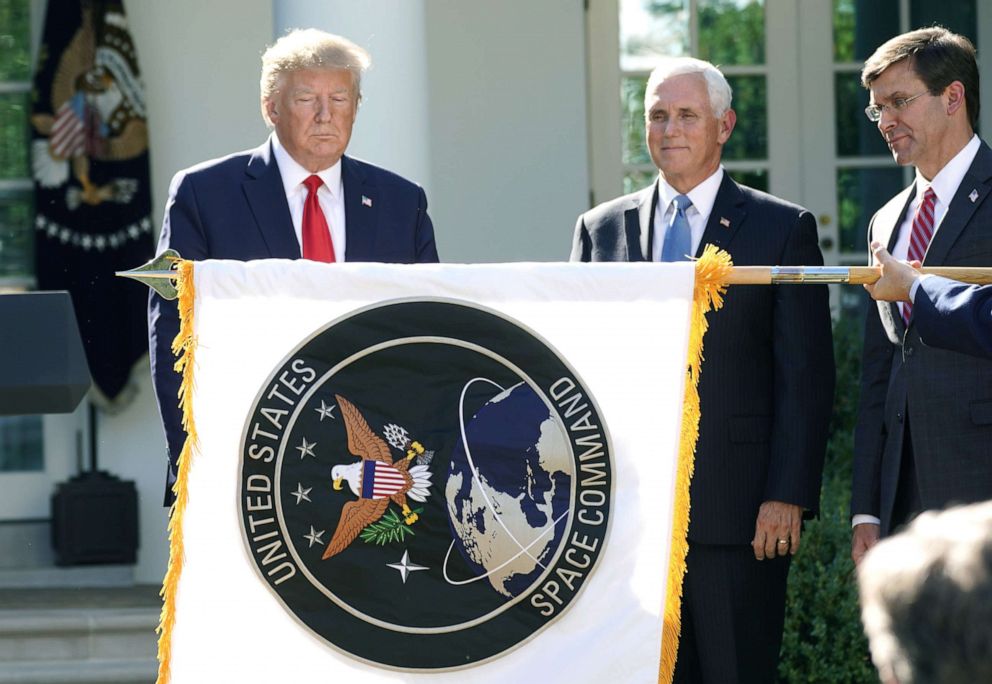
(712, 270)
(184, 347)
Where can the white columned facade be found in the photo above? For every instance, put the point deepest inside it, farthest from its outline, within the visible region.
(393, 126)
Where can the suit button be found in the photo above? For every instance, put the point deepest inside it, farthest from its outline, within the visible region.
(899, 416)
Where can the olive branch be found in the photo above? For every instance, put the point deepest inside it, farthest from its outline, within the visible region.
(389, 528)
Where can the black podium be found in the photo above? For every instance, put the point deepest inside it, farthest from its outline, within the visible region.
(43, 369)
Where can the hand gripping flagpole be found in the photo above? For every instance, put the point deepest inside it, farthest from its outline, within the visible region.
(160, 274)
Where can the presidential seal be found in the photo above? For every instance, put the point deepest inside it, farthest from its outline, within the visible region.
(425, 484)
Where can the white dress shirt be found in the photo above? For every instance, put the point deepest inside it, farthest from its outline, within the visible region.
(703, 196)
(330, 196)
(945, 185)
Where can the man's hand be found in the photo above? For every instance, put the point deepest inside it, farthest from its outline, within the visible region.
(897, 276)
(776, 532)
(863, 538)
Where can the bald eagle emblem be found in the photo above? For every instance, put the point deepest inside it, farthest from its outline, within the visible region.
(376, 479)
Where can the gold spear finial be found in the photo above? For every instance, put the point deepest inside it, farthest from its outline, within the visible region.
(159, 274)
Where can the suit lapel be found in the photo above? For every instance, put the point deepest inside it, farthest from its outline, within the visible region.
(890, 217)
(638, 221)
(884, 229)
(361, 212)
(977, 183)
(726, 217)
(266, 197)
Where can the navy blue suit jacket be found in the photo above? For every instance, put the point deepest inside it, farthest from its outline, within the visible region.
(236, 208)
(767, 381)
(954, 316)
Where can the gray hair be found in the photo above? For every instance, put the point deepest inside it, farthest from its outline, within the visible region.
(926, 599)
(716, 84)
(310, 49)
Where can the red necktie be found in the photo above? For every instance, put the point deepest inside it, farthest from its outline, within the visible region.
(317, 245)
(919, 238)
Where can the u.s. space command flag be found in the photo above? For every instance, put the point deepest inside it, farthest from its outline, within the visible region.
(429, 473)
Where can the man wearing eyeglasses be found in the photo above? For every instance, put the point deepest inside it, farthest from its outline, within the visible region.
(924, 432)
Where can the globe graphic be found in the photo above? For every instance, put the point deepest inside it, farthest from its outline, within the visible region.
(509, 489)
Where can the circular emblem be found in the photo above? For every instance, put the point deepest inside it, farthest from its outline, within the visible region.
(425, 484)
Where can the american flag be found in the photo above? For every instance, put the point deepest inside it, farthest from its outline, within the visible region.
(68, 132)
(380, 480)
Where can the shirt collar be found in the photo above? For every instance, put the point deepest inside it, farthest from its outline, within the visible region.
(947, 180)
(293, 174)
(703, 196)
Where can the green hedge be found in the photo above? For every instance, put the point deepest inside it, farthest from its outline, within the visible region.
(823, 641)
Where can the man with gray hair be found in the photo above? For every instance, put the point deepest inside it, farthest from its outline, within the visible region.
(926, 599)
(766, 385)
(297, 195)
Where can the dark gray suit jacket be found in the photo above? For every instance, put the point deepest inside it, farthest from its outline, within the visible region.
(236, 208)
(766, 385)
(945, 395)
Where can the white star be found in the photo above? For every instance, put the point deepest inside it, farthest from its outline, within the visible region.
(306, 449)
(405, 566)
(314, 537)
(301, 493)
(325, 411)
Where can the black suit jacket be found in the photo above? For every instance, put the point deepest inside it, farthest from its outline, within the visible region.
(947, 396)
(767, 381)
(236, 208)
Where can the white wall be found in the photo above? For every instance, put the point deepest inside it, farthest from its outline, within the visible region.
(509, 148)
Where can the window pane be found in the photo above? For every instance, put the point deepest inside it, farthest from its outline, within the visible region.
(757, 178)
(958, 16)
(860, 193)
(635, 150)
(20, 444)
(16, 239)
(860, 26)
(638, 180)
(750, 137)
(14, 135)
(15, 50)
(856, 135)
(732, 31)
(650, 29)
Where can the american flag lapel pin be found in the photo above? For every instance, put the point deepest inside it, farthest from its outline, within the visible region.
(366, 201)
(725, 222)
(973, 196)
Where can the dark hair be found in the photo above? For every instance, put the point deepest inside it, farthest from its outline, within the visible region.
(937, 56)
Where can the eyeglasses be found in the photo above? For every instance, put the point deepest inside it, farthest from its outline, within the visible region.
(874, 112)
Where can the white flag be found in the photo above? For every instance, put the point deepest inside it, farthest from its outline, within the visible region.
(430, 473)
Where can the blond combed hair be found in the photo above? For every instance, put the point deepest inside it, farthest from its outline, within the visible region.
(310, 49)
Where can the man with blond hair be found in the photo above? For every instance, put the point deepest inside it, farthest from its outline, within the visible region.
(766, 384)
(296, 196)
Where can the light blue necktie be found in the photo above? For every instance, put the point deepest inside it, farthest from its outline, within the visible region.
(678, 239)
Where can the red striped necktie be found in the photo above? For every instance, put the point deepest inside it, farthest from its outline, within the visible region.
(919, 238)
(317, 245)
